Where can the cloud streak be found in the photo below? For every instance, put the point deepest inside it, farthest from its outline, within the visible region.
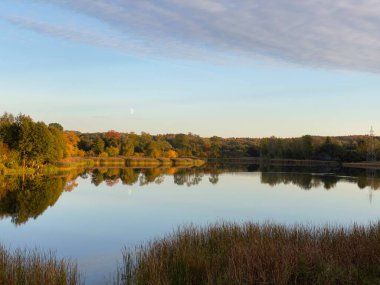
(340, 34)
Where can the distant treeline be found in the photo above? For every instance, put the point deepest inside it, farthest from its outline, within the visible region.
(348, 149)
(32, 144)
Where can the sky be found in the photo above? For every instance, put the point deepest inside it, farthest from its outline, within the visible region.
(228, 68)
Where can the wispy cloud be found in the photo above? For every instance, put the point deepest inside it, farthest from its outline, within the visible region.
(339, 34)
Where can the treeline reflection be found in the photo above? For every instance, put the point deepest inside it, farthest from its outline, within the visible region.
(325, 178)
(142, 177)
(24, 198)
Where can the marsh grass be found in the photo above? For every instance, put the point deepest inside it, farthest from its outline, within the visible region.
(30, 267)
(257, 254)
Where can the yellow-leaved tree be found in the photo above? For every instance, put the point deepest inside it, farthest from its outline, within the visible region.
(171, 154)
(71, 140)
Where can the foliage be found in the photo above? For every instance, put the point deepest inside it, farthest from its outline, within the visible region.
(33, 144)
(127, 148)
(98, 146)
(112, 151)
(71, 139)
(171, 154)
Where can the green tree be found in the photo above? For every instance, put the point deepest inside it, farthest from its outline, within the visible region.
(36, 143)
(127, 148)
(307, 146)
(153, 149)
(98, 146)
(56, 126)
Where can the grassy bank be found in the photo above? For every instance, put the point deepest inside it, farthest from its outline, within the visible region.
(253, 254)
(21, 267)
(89, 162)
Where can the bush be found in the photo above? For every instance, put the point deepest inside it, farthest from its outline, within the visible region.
(103, 154)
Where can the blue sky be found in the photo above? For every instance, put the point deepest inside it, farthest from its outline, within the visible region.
(251, 68)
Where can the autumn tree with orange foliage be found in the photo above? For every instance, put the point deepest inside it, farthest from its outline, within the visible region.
(112, 138)
(171, 154)
(71, 140)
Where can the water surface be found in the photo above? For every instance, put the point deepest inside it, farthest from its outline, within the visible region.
(91, 215)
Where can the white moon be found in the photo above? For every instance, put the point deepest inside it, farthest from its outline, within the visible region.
(132, 111)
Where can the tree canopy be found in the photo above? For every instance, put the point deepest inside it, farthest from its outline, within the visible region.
(26, 142)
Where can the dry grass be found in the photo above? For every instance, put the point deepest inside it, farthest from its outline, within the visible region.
(181, 161)
(257, 254)
(23, 267)
(142, 161)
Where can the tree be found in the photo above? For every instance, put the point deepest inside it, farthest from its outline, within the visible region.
(5, 156)
(57, 149)
(307, 146)
(9, 131)
(71, 140)
(112, 138)
(36, 143)
(153, 149)
(171, 154)
(127, 148)
(216, 146)
(182, 144)
(86, 142)
(112, 151)
(143, 142)
(330, 150)
(57, 126)
(98, 146)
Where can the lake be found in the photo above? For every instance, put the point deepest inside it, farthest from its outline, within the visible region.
(91, 215)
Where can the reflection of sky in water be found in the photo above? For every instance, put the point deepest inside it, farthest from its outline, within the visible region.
(93, 224)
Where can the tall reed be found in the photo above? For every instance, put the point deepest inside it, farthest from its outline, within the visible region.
(257, 254)
(31, 267)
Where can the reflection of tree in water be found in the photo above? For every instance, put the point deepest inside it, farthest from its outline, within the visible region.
(305, 181)
(5, 185)
(22, 199)
(129, 176)
(97, 176)
(150, 175)
(30, 197)
(214, 178)
(112, 176)
(188, 177)
(329, 181)
(369, 181)
(108, 175)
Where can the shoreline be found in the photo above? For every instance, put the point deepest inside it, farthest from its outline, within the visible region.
(365, 164)
(147, 162)
(275, 161)
(90, 162)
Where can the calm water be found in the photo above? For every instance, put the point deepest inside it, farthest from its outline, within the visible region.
(91, 216)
